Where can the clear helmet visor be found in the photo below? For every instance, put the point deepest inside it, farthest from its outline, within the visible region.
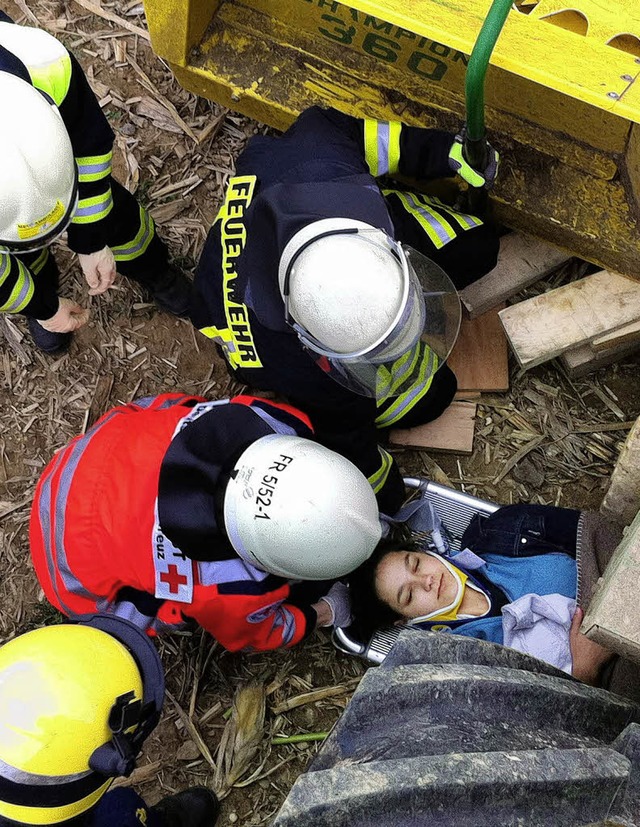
(416, 344)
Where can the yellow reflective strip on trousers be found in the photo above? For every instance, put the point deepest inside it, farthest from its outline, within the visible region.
(138, 245)
(439, 231)
(54, 78)
(377, 480)
(22, 292)
(407, 400)
(393, 152)
(371, 145)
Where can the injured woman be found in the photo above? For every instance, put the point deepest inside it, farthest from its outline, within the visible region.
(523, 577)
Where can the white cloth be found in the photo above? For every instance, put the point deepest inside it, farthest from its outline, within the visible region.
(538, 625)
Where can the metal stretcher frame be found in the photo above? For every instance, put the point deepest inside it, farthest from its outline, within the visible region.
(456, 509)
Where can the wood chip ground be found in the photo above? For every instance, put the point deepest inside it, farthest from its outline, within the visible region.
(551, 439)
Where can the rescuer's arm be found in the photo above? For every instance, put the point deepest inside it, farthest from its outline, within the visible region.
(21, 291)
(256, 622)
(391, 147)
(92, 141)
(358, 442)
(327, 145)
(334, 609)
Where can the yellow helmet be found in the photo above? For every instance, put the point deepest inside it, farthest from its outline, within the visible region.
(76, 703)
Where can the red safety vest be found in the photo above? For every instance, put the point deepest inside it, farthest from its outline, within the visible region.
(92, 534)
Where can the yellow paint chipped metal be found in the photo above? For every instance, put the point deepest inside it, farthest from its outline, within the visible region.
(562, 92)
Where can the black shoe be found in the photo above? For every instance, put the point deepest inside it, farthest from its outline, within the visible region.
(171, 291)
(195, 807)
(51, 343)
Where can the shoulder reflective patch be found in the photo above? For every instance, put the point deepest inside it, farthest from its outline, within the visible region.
(45, 57)
(237, 339)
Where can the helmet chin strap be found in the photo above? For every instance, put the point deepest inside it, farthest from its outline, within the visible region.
(449, 612)
(117, 756)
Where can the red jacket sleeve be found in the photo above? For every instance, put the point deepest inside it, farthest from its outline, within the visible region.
(258, 622)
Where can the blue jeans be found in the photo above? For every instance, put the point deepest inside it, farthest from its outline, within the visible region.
(524, 531)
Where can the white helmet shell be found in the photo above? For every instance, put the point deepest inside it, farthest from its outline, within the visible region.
(345, 289)
(37, 167)
(298, 510)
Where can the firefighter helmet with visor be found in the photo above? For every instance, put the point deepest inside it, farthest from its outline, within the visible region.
(383, 315)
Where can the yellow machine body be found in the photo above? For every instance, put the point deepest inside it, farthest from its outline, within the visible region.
(562, 91)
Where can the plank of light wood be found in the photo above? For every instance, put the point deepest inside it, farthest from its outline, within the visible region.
(622, 500)
(479, 358)
(628, 333)
(452, 432)
(584, 359)
(522, 260)
(612, 618)
(545, 326)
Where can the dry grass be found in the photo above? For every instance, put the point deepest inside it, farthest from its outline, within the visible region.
(549, 440)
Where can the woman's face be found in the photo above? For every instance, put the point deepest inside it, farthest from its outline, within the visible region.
(414, 584)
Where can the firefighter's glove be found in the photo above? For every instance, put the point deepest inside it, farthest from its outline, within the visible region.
(70, 316)
(338, 601)
(473, 177)
(99, 270)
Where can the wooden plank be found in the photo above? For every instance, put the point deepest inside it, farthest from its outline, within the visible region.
(469, 396)
(479, 358)
(584, 359)
(545, 326)
(522, 260)
(622, 500)
(613, 619)
(452, 432)
(628, 333)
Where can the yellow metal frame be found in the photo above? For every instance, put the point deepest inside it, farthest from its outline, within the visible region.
(563, 105)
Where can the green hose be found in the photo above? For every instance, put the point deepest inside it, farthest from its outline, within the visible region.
(475, 146)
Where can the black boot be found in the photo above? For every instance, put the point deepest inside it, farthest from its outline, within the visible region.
(51, 343)
(195, 807)
(170, 289)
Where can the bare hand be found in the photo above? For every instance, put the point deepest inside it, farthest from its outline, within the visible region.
(588, 657)
(323, 610)
(99, 270)
(70, 316)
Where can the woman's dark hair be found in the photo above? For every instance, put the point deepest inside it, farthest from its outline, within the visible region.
(369, 612)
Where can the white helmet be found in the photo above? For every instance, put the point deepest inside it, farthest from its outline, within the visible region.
(299, 510)
(368, 305)
(37, 168)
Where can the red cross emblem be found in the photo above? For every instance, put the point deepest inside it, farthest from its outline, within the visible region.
(173, 579)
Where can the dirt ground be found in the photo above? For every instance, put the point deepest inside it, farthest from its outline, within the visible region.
(129, 349)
